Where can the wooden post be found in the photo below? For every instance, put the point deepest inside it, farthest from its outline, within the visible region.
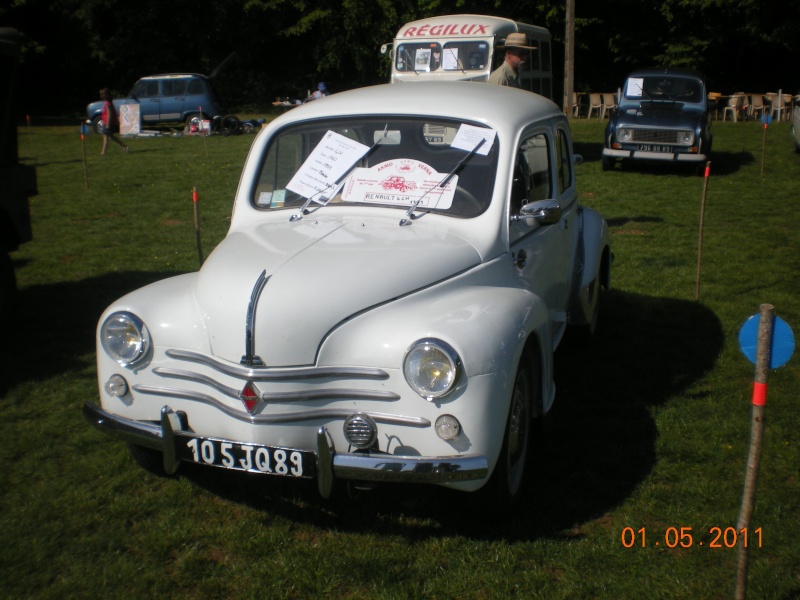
(763, 350)
(700, 235)
(569, 58)
(83, 151)
(196, 203)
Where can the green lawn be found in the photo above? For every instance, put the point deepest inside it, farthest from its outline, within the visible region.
(651, 429)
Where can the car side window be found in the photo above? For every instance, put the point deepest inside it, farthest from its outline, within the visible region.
(564, 162)
(534, 162)
(145, 89)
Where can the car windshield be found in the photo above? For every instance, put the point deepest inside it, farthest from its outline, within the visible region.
(661, 87)
(425, 164)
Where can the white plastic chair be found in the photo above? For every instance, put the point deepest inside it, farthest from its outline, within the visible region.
(595, 103)
(734, 102)
(609, 104)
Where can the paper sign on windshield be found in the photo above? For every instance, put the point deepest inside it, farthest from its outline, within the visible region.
(635, 85)
(469, 136)
(400, 182)
(331, 159)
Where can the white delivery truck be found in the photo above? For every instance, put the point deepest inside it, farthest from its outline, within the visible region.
(467, 47)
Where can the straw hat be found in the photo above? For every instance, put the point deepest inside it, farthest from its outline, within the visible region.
(517, 40)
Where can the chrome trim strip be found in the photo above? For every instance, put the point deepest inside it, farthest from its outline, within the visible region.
(409, 469)
(294, 417)
(324, 463)
(197, 378)
(324, 394)
(250, 359)
(277, 375)
(143, 433)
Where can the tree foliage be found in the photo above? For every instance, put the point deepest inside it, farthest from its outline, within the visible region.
(284, 47)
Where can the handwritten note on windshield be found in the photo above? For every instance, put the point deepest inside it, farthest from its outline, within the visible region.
(469, 136)
(318, 177)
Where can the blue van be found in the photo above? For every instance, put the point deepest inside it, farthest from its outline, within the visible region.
(165, 99)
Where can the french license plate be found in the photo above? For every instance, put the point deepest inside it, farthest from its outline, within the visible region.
(246, 457)
(653, 148)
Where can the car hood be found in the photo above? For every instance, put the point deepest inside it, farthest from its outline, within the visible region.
(659, 114)
(320, 273)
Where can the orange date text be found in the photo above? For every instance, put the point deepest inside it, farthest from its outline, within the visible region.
(687, 537)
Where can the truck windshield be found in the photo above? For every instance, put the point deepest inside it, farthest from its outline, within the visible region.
(383, 161)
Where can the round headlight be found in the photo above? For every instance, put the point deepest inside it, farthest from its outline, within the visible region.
(432, 368)
(686, 137)
(624, 134)
(125, 338)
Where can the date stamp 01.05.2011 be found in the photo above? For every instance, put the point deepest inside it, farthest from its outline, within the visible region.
(687, 537)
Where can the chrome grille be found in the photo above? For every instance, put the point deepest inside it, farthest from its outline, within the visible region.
(656, 136)
(306, 384)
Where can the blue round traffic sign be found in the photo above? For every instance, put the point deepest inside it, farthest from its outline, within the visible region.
(781, 348)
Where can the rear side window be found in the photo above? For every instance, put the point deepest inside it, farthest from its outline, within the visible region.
(173, 87)
(196, 87)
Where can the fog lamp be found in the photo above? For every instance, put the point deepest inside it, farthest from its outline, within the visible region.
(447, 427)
(116, 386)
(360, 430)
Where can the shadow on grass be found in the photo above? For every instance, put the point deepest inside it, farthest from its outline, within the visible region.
(601, 443)
(52, 327)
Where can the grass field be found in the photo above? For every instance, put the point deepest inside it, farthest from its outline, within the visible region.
(650, 438)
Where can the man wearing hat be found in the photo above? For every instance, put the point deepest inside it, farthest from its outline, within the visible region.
(516, 52)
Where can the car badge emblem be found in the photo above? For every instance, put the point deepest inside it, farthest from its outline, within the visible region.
(250, 397)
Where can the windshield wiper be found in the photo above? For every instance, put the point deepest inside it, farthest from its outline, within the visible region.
(304, 210)
(410, 216)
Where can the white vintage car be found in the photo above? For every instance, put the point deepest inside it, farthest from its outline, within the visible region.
(348, 331)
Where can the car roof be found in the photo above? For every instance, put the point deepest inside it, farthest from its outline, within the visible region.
(656, 71)
(174, 76)
(496, 106)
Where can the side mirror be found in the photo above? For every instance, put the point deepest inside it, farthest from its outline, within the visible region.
(542, 212)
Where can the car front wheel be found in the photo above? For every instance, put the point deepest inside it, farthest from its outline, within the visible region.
(506, 484)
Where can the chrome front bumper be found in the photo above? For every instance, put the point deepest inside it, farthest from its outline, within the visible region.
(366, 466)
(638, 154)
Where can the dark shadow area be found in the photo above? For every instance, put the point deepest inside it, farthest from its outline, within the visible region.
(53, 326)
(591, 152)
(600, 440)
(622, 221)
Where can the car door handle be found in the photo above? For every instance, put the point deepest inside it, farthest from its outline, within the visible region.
(520, 259)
